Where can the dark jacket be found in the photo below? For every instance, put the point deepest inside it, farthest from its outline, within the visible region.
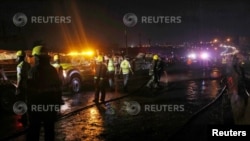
(44, 86)
(101, 71)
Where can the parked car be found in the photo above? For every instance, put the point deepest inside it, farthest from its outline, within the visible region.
(77, 68)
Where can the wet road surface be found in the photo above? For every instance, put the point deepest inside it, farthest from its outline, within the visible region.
(144, 113)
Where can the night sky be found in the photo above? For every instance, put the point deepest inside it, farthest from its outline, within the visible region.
(100, 23)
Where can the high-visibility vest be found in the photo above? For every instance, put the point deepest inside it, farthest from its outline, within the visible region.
(22, 73)
(125, 66)
(111, 66)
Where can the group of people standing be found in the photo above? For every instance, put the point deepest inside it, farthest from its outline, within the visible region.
(39, 87)
(106, 70)
(41, 84)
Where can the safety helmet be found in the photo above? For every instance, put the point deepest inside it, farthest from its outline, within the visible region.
(56, 57)
(20, 53)
(155, 57)
(39, 50)
(99, 58)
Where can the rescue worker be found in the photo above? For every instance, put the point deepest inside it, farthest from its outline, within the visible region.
(59, 70)
(154, 73)
(125, 69)
(99, 79)
(44, 96)
(22, 69)
(116, 63)
(58, 66)
(111, 72)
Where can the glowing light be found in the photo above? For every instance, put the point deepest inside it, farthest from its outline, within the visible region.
(87, 53)
(215, 40)
(73, 53)
(74, 34)
(64, 74)
(192, 56)
(204, 55)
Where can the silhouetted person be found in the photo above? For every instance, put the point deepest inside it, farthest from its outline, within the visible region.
(99, 79)
(22, 69)
(44, 96)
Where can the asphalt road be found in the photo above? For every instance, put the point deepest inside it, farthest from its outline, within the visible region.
(161, 113)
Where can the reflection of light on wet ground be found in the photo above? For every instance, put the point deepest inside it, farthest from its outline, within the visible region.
(215, 73)
(93, 113)
(201, 90)
(65, 107)
(214, 88)
(95, 124)
(88, 125)
(192, 90)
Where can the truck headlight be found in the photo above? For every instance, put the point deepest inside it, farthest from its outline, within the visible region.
(64, 74)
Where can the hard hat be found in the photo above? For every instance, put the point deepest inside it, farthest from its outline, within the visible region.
(155, 57)
(56, 57)
(39, 50)
(99, 58)
(20, 53)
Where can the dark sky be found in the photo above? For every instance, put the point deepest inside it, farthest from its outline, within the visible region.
(99, 23)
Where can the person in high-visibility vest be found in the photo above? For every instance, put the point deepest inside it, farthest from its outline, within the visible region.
(22, 69)
(58, 67)
(99, 79)
(111, 72)
(125, 68)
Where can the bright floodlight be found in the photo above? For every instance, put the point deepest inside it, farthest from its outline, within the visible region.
(192, 56)
(204, 55)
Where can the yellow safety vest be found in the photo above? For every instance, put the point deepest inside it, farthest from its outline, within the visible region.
(22, 73)
(111, 66)
(125, 66)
